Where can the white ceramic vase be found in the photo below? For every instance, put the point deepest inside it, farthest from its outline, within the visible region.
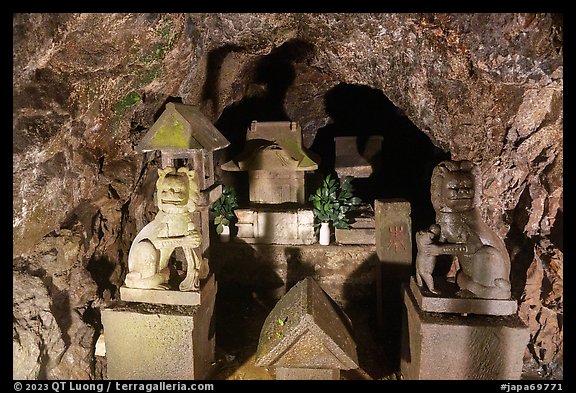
(225, 235)
(324, 233)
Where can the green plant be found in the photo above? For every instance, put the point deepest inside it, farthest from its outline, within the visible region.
(332, 200)
(223, 208)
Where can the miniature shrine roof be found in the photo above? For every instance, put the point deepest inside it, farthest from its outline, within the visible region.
(272, 146)
(305, 330)
(182, 127)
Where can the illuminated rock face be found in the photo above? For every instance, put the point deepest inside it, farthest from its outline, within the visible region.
(485, 87)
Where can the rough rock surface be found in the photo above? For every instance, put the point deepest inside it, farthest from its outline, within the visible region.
(485, 87)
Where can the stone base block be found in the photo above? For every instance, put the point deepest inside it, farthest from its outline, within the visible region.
(310, 374)
(160, 342)
(159, 296)
(269, 225)
(456, 347)
(448, 302)
(355, 236)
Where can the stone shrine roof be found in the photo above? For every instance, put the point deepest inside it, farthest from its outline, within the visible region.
(180, 128)
(275, 145)
(307, 330)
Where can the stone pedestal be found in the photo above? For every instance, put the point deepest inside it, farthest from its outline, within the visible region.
(269, 225)
(457, 347)
(161, 342)
(448, 302)
(362, 227)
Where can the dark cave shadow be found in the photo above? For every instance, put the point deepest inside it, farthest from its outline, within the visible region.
(247, 292)
(263, 100)
(403, 167)
(214, 62)
(520, 247)
(360, 305)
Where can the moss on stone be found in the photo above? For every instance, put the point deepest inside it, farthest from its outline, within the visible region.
(171, 133)
(126, 102)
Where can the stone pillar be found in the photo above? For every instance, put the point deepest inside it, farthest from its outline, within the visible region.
(460, 346)
(161, 341)
(394, 250)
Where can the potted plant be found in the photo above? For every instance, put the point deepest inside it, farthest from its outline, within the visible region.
(223, 211)
(330, 203)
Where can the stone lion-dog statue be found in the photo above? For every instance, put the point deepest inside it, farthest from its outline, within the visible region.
(176, 196)
(460, 231)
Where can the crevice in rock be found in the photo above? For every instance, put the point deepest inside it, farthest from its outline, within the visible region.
(520, 246)
(60, 308)
(557, 231)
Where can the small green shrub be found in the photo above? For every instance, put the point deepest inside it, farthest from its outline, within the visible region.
(223, 208)
(332, 200)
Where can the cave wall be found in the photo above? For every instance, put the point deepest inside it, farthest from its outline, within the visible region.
(485, 87)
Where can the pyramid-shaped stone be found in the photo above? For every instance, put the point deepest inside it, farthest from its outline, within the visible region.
(306, 329)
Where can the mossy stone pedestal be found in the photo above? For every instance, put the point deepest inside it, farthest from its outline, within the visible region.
(161, 342)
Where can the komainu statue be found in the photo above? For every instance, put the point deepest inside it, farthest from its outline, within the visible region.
(460, 231)
(176, 195)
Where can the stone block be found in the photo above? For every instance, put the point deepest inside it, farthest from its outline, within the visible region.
(276, 187)
(348, 160)
(306, 234)
(307, 374)
(305, 217)
(268, 225)
(158, 296)
(448, 302)
(276, 226)
(210, 195)
(160, 342)
(393, 231)
(363, 223)
(201, 221)
(456, 347)
(245, 230)
(245, 215)
(355, 236)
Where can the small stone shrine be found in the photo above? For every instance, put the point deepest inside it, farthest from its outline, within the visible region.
(306, 337)
(462, 327)
(350, 159)
(276, 163)
(163, 326)
(359, 160)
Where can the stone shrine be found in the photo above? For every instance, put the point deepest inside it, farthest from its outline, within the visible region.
(276, 163)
